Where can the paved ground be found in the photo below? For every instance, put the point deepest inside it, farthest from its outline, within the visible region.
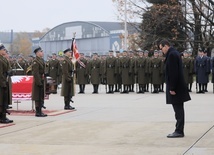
(116, 124)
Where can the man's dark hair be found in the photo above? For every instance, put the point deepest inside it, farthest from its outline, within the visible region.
(164, 42)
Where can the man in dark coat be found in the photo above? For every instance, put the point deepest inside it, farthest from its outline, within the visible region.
(176, 88)
(38, 71)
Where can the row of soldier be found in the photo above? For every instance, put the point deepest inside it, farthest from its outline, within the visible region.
(121, 72)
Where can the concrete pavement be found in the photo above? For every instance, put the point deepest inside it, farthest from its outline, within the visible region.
(112, 124)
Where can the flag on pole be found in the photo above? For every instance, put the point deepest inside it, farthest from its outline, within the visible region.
(76, 54)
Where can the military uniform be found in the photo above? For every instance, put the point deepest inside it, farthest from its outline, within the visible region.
(148, 75)
(39, 80)
(187, 68)
(95, 73)
(125, 70)
(141, 70)
(111, 72)
(82, 74)
(5, 89)
(156, 73)
(67, 89)
(53, 70)
(202, 69)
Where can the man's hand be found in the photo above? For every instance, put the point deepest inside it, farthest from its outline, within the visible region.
(172, 92)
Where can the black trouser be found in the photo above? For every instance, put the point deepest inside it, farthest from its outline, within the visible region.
(179, 116)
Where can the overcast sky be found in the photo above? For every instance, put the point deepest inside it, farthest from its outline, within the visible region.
(31, 15)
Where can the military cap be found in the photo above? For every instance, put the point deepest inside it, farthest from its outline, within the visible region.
(38, 50)
(67, 50)
(53, 53)
(2, 46)
(185, 51)
(117, 51)
(200, 50)
(155, 51)
(110, 51)
(146, 51)
(95, 53)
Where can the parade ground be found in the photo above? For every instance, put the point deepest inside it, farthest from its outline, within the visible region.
(111, 124)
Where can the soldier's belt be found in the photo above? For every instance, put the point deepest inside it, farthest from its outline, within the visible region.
(141, 66)
(95, 67)
(110, 66)
(125, 66)
(155, 66)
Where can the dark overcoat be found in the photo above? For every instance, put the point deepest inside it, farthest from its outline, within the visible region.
(141, 70)
(95, 71)
(5, 82)
(202, 69)
(38, 70)
(67, 77)
(82, 72)
(111, 70)
(175, 78)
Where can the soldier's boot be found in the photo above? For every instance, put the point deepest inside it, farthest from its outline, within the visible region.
(42, 114)
(116, 88)
(83, 88)
(67, 106)
(140, 89)
(109, 89)
(80, 88)
(132, 88)
(97, 87)
(147, 88)
(4, 119)
(94, 88)
(37, 114)
(205, 88)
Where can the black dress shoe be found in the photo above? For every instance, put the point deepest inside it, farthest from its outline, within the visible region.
(175, 135)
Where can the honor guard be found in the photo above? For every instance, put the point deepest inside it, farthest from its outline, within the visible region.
(125, 70)
(95, 72)
(156, 72)
(111, 72)
(82, 73)
(141, 70)
(53, 69)
(148, 75)
(5, 85)
(68, 72)
(39, 80)
(202, 71)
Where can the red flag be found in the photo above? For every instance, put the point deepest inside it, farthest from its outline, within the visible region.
(76, 52)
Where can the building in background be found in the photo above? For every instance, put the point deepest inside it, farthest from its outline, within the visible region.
(90, 37)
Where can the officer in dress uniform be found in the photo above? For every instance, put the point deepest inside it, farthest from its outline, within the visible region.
(202, 71)
(5, 89)
(162, 75)
(118, 76)
(82, 73)
(111, 72)
(39, 80)
(141, 69)
(68, 72)
(54, 69)
(208, 69)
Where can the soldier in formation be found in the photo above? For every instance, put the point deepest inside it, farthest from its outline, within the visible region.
(38, 90)
(5, 85)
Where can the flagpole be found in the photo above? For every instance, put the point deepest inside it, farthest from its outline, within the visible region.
(74, 63)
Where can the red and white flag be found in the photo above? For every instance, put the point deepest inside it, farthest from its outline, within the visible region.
(76, 52)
